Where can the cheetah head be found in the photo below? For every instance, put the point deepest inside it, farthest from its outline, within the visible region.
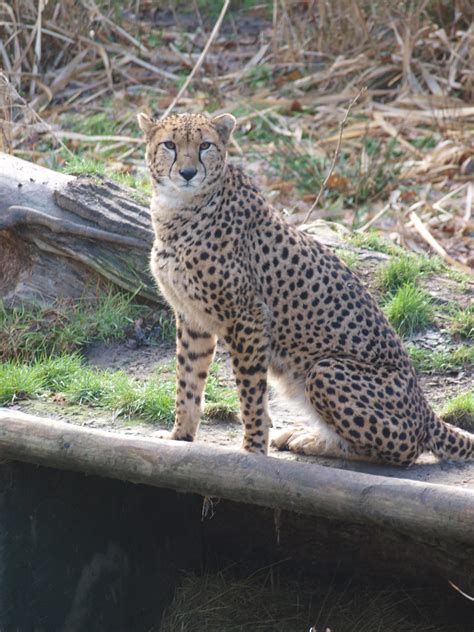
(186, 154)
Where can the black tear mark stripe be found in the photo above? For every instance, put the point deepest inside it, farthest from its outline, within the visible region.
(203, 165)
(172, 164)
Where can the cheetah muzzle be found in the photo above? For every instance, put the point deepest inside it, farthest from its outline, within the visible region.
(233, 269)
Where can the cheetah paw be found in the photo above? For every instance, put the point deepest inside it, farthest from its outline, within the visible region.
(173, 436)
(301, 441)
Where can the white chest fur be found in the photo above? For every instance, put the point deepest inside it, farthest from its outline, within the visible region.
(174, 282)
(167, 263)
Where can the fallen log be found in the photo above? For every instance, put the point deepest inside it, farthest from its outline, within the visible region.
(416, 508)
(61, 234)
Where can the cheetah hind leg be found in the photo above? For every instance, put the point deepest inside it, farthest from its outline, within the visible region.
(360, 412)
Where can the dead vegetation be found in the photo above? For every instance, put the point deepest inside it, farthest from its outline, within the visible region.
(78, 71)
(267, 601)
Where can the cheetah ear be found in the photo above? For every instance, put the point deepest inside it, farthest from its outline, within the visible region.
(224, 124)
(145, 123)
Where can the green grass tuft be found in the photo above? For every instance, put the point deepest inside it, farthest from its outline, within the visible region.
(430, 264)
(18, 382)
(81, 166)
(350, 258)
(406, 269)
(459, 411)
(428, 361)
(462, 323)
(221, 401)
(142, 186)
(98, 124)
(462, 279)
(74, 383)
(27, 381)
(370, 240)
(409, 310)
(400, 271)
(27, 334)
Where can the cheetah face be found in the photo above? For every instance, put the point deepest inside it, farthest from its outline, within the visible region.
(186, 154)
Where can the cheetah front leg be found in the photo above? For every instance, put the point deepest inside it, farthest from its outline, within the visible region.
(194, 353)
(249, 345)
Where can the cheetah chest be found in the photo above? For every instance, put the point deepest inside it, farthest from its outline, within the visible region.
(176, 286)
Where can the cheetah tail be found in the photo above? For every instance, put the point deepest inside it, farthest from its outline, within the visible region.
(449, 442)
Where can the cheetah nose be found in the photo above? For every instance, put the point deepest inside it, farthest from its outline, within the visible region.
(188, 173)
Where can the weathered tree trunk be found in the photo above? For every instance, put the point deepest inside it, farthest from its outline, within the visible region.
(61, 234)
(423, 509)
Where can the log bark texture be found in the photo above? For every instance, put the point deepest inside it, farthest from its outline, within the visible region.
(411, 507)
(60, 234)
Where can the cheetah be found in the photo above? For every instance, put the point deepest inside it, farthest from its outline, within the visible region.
(283, 304)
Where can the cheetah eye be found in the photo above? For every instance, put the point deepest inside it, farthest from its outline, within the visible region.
(204, 146)
(169, 144)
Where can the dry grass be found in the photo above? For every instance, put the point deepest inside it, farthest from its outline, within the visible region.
(264, 602)
(289, 71)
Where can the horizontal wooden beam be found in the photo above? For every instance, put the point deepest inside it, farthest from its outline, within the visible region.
(403, 505)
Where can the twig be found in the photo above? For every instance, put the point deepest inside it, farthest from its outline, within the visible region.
(198, 63)
(275, 128)
(435, 245)
(439, 204)
(469, 198)
(377, 216)
(128, 56)
(35, 115)
(37, 50)
(336, 154)
(91, 6)
(460, 591)
(255, 113)
(394, 133)
(96, 138)
(5, 115)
